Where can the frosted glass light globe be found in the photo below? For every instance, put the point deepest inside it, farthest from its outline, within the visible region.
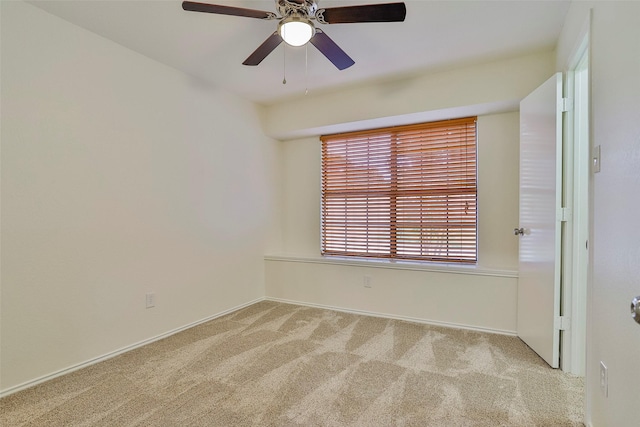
(296, 33)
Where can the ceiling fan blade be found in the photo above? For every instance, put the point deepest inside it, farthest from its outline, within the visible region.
(387, 12)
(226, 10)
(331, 50)
(272, 42)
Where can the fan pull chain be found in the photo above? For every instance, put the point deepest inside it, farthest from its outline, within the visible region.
(306, 68)
(284, 64)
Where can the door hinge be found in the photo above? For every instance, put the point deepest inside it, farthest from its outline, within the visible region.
(562, 323)
(567, 104)
(564, 214)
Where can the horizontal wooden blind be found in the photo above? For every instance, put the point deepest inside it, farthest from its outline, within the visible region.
(406, 192)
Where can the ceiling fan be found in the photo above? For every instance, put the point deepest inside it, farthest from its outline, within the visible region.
(296, 28)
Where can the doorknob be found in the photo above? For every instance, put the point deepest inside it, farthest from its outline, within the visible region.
(635, 309)
(518, 231)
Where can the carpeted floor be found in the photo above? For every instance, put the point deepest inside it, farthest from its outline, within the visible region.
(274, 364)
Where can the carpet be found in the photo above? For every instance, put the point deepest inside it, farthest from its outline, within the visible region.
(275, 364)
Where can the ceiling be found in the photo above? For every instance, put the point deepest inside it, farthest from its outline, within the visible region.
(435, 35)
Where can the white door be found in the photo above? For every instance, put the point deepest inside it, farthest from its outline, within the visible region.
(540, 226)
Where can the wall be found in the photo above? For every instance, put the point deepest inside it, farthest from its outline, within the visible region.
(612, 336)
(498, 157)
(483, 297)
(478, 89)
(120, 176)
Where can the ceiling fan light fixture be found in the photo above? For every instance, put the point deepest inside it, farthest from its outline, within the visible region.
(295, 26)
(296, 30)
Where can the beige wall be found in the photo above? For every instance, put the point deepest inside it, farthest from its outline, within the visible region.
(479, 89)
(482, 297)
(120, 176)
(612, 336)
(474, 300)
(498, 156)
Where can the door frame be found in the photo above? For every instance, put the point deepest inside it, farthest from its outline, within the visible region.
(577, 270)
(578, 190)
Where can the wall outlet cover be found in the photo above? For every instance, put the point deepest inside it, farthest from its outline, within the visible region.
(151, 300)
(604, 379)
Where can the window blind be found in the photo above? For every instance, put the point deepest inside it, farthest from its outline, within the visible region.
(406, 192)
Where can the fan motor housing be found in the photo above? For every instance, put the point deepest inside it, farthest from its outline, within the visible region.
(288, 7)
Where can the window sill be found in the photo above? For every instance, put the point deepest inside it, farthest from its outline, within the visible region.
(452, 268)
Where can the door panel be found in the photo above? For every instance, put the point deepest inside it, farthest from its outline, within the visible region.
(540, 201)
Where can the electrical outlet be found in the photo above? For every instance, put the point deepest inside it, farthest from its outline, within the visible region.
(604, 379)
(151, 300)
(367, 281)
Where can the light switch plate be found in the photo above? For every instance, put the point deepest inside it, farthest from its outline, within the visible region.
(595, 159)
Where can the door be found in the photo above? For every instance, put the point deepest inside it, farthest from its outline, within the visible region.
(540, 226)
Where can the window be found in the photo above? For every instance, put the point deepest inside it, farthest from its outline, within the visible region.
(406, 192)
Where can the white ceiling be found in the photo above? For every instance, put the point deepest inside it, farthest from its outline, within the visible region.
(435, 35)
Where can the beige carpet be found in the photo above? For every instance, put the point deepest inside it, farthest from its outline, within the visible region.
(274, 364)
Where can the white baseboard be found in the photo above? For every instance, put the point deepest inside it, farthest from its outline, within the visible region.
(115, 353)
(396, 317)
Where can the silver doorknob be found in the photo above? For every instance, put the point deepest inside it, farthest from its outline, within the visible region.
(518, 231)
(635, 309)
